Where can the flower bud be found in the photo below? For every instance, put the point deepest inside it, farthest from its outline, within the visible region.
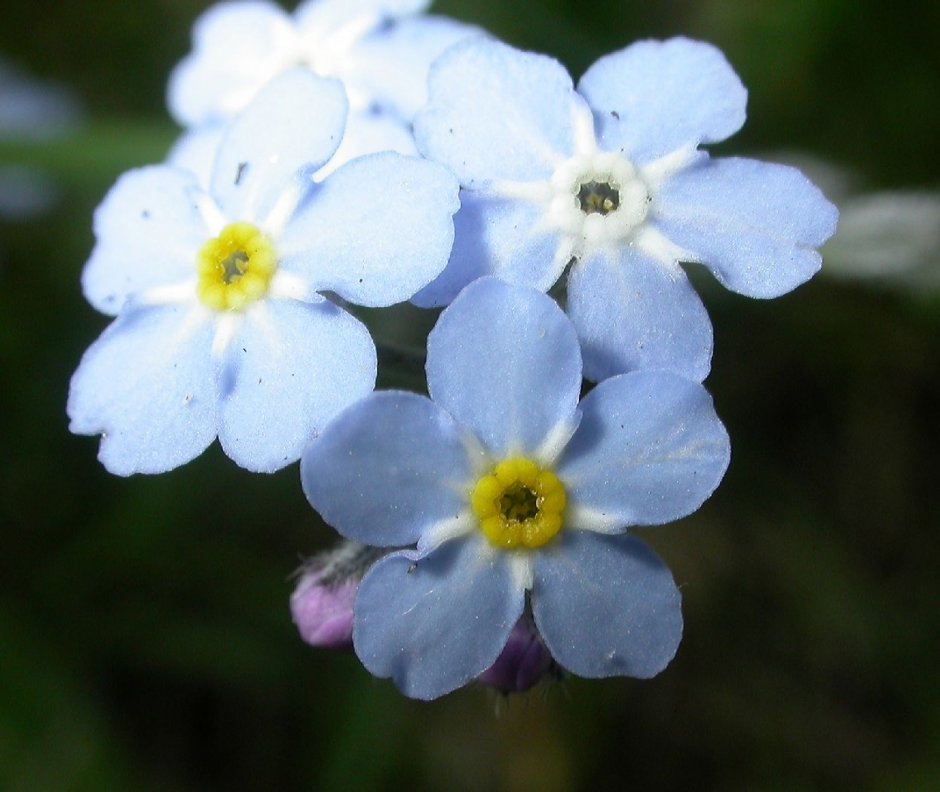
(324, 613)
(522, 663)
(322, 603)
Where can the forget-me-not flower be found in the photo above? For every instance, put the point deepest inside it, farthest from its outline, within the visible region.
(510, 490)
(221, 329)
(380, 49)
(609, 179)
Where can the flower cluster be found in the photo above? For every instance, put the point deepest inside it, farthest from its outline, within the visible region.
(365, 153)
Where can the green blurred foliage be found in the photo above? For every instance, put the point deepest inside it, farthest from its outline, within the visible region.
(145, 640)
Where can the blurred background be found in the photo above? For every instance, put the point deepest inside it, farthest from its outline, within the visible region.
(145, 639)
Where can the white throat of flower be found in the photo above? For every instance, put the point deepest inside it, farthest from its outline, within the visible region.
(600, 200)
(598, 197)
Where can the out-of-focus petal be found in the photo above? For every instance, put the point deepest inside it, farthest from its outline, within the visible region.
(391, 65)
(237, 48)
(290, 129)
(606, 606)
(195, 150)
(658, 96)
(325, 17)
(293, 366)
(433, 624)
(892, 238)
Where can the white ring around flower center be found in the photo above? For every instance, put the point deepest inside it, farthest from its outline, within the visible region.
(604, 169)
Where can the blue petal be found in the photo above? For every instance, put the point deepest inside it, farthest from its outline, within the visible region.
(755, 225)
(500, 237)
(376, 231)
(292, 127)
(632, 313)
(294, 367)
(149, 387)
(195, 149)
(504, 361)
(368, 133)
(388, 469)
(649, 450)
(148, 234)
(365, 133)
(658, 96)
(237, 48)
(391, 65)
(606, 606)
(433, 624)
(497, 113)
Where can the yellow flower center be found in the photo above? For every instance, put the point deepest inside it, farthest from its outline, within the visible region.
(518, 504)
(235, 268)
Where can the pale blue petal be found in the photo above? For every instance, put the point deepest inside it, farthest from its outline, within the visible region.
(755, 225)
(195, 150)
(500, 237)
(294, 367)
(497, 113)
(606, 606)
(149, 387)
(148, 233)
(237, 48)
(376, 230)
(292, 127)
(504, 361)
(649, 450)
(368, 133)
(391, 65)
(433, 624)
(632, 313)
(658, 96)
(387, 469)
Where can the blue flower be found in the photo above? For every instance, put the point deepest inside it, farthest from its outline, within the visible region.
(609, 178)
(380, 49)
(221, 329)
(510, 489)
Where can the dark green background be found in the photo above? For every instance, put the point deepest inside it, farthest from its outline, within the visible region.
(145, 641)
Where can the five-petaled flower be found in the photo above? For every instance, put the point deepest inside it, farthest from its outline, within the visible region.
(512, 491)
(221, 329)
(609, 179)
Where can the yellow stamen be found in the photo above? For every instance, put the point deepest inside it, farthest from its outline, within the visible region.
(519, 504)
(235, 268)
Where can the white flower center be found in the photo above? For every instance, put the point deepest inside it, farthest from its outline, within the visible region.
(598, 196)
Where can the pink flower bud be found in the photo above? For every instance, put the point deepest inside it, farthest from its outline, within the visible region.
(522, 663)
(323, 612)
